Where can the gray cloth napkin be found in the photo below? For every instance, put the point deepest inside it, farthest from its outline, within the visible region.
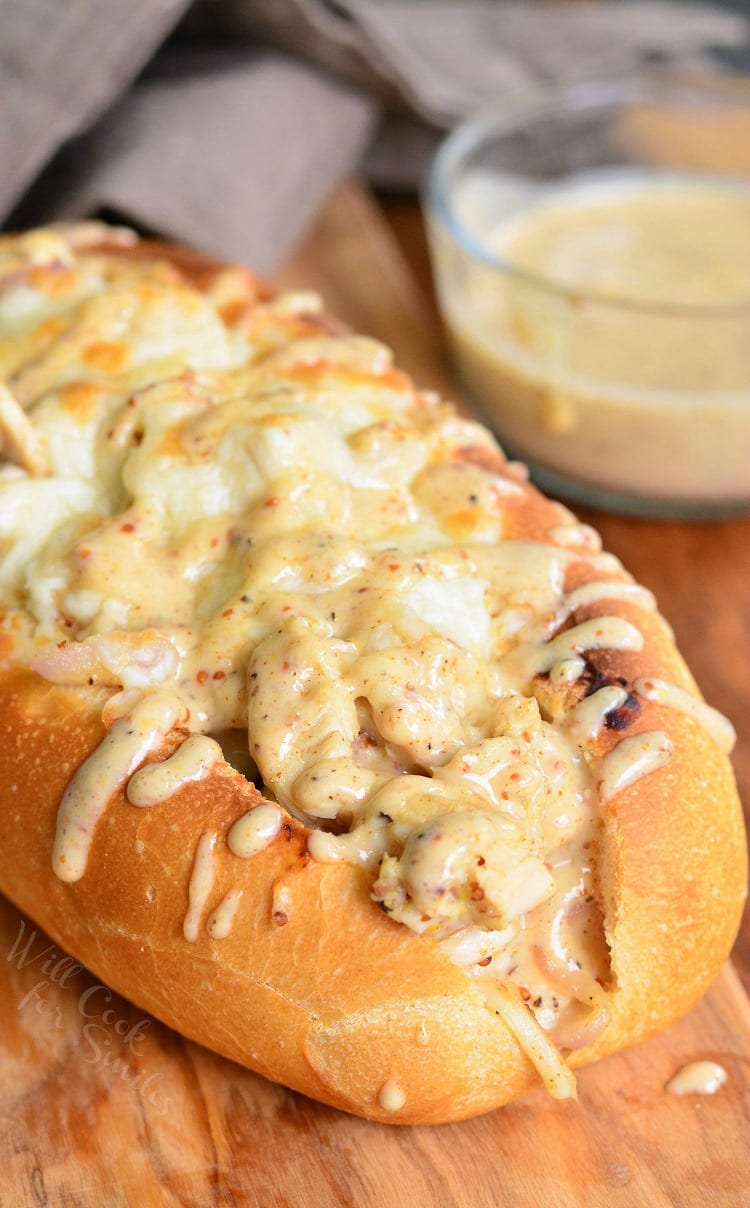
(231, 134)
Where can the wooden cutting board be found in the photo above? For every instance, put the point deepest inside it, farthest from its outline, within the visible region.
(99, 1105)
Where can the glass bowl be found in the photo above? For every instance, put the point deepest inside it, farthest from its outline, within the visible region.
(592, 262)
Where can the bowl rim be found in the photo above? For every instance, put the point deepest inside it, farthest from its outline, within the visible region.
(491, 121)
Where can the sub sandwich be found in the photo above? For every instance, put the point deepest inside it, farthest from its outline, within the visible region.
(324, 736)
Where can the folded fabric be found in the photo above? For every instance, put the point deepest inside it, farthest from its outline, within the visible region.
(61, 66)
(444, 59)
(232, 134)
(232, 153)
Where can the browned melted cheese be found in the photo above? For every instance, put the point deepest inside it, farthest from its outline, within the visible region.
(261, 527)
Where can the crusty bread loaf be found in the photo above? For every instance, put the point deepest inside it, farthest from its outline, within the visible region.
(307, 979)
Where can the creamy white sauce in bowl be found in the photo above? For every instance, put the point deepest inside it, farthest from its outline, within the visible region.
(601, 321)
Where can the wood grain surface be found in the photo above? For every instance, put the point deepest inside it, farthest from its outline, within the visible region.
(100, 1105)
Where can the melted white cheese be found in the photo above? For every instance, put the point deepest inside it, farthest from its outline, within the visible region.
(232, 519)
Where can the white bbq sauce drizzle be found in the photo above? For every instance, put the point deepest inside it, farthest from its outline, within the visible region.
(421, 1036)
(609, 589)
(599, 633)
(201, 884)
(391, 1096)
(156, 782)
(101, 775)
(557, 1077)
(698, 1078)
(585, 720)
(221, 920)
(567, 671)
(632, 759)
(576, 536)
(254, 831)
(714, 723)
(280, 904)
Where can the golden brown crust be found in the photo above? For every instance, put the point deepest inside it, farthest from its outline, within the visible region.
(339, 999)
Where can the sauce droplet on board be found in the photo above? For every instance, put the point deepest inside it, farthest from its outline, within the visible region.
(698, 1078)
(391, 1096)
